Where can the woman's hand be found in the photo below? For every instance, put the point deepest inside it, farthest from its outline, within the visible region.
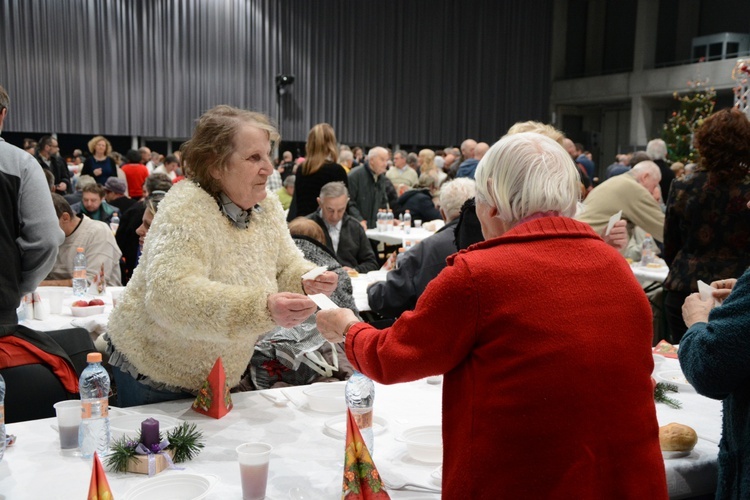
(97, 172)
(723, 288)
(695, 310)
(333, 322)
(325, 283)
(290, 309)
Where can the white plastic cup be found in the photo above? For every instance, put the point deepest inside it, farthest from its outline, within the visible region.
(54, 297)
(253, 459)
(68, 421)
(418, 223)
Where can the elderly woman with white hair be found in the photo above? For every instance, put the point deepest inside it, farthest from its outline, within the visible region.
(533, 406)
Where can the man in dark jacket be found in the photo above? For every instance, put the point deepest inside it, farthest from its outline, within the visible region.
(423, 262)
(48, 158)
(367, 187)
(344, 235)
(419, 202)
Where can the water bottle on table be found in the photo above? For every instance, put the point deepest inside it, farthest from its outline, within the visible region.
(80, 282)
(93, 434)
(647, 250)
(114, 223)
(360, 396)
(407, 222)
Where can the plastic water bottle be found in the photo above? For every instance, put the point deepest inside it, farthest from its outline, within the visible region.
(114, 223)
(80, 282)
(407, 222)
(647, 250)
(93, 434)
(381, 220)
(2, 418)
(360, 396)
(389, 220)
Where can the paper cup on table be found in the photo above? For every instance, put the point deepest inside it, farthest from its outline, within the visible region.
(418, 223)
(68, 421)
(54, 297)
(253, 459)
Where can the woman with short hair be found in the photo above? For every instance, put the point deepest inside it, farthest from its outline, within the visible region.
(529, 409)
(218, 268)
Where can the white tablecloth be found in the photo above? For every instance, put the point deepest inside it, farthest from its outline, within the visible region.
(649, 274)
(398, 236)
(359, 287)
(305, 456)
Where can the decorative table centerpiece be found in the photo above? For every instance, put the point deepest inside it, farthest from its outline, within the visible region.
(150, 453)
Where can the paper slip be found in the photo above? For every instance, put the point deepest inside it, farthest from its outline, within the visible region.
(314, 273)
(323, 302)
(706, 291)
(612, 221)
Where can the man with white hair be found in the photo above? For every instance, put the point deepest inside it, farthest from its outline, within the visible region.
(657, 150)
(421, 263)
(345, 237)
(635, 192)
(467, 168)
(367, 188)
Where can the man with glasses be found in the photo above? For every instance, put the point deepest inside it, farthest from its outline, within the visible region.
(49, 158)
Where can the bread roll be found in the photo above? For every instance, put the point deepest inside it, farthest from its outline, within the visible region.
(677, 437)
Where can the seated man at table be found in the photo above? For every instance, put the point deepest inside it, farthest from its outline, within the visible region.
(344, 235)
(421, 263)
(635, 193)
(93, 205)
(94, 237)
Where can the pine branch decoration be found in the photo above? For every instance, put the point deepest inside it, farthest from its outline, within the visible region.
(186, 442)
(660, 395)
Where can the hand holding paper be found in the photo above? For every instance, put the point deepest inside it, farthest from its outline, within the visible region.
(332, 323)
(324, 282)
(612, 221)
(289, 309)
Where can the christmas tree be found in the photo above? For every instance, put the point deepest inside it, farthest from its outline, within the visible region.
(679, 129)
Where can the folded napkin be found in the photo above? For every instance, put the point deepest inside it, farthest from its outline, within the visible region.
(99, 486)
(361, 477)
(96, 324)
(666, 349)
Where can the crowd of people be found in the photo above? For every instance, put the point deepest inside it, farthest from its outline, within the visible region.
(212, 243)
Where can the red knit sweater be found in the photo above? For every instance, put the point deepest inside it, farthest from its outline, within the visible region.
(544, 337)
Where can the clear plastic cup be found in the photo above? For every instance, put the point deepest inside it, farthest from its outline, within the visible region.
(68, 421)
(254, 459)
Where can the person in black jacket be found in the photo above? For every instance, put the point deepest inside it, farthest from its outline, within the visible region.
(344, 235)
(423, 262)
(48, 158)
(419, 202)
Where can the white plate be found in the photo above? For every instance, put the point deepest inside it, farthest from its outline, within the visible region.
(130, 424)
(668, 455)
(86, 311)
(337, 426)
(173, 486)
(674, 377)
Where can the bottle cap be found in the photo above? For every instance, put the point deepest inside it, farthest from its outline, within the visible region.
(94, 357)
(79, 249)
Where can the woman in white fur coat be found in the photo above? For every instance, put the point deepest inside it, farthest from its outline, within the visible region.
(218, 268)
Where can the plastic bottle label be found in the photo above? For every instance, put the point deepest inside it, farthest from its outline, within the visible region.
(2, 414)
(79, 274)
(363, 420)
(88, 404)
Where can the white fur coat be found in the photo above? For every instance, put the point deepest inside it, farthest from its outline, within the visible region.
(201, 287)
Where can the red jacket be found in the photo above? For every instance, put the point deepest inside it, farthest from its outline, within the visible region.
(544, 337)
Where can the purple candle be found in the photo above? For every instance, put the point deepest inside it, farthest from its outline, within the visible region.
(150, 432)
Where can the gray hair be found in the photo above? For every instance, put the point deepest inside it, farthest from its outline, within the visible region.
(83, 181)
(646, 167)
(289, 181)
(527, 173)
(412, 159)
(333, 190)
(401, 152)
(657, 149)
(372, 153)
(454, 194)
(346, 155)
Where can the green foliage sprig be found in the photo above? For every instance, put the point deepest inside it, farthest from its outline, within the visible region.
(660, 395)
(186, 442)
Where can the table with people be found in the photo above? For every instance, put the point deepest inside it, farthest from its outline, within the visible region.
(546, 371)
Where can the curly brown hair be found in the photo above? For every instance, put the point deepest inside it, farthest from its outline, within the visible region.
(723, 141)
(212, 143)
